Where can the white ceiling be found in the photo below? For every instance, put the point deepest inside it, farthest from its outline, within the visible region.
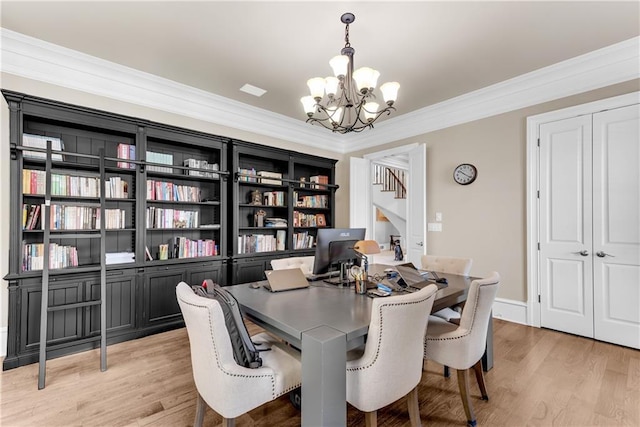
(436, 50)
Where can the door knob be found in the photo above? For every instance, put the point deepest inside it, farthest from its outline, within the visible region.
(583, 252)
(420, 244)
(602, 254)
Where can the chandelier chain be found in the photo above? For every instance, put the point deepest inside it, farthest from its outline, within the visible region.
(346, 36)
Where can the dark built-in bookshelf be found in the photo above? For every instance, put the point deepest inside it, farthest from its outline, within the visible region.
(179, 205)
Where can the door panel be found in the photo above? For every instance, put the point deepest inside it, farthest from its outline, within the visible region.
(566, 284)
(417, 205)
(616, 226)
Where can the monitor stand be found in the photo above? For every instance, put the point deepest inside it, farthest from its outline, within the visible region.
(343, 279)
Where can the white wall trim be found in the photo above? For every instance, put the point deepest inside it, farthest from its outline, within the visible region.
(3, 341)
(533, 176)
(39, 60)
(510, 310)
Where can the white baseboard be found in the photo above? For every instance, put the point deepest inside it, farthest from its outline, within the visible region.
(510, 310)
(3, 341)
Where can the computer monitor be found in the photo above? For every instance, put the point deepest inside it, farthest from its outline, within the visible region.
(334, 246)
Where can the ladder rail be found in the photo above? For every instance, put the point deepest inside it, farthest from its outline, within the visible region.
(44, 301)
(103, 269)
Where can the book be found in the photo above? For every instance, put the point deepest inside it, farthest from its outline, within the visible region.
(40, 141)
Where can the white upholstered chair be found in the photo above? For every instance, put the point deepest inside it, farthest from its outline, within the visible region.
(304, 262)
(389, 365)
(451, 265)
(447, 264)
(226, 387)
(461, 346)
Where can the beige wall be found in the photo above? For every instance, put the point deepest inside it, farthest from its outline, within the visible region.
(45, 90)
(487, 219)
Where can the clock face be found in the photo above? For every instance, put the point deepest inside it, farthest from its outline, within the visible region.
(465, 174)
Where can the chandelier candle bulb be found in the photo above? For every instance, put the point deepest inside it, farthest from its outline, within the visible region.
(316, 87)
(339, 65)
(390, 92)
(350, 103)
(331, 86)
(309, 105)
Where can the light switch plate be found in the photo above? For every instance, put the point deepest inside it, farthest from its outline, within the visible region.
(438, 216)
(434, 226)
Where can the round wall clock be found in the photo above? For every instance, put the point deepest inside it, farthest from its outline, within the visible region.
(465, 174)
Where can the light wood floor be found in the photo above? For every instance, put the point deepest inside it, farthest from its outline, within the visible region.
(540, 378)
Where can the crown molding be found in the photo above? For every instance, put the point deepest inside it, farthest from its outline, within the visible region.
(43, 61)
(613, 64)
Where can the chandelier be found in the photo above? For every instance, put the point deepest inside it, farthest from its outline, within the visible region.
(350, 104)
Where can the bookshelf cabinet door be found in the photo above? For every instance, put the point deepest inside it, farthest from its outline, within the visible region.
(250, 270)
(214, 270)
(121, 297)
(159, 300)
(63, 325)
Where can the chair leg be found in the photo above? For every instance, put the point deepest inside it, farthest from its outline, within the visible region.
(201, 406)
(371, 419)
(414, 407)
(463, 385)
(447, 374)
(228, 422)
(480, 377)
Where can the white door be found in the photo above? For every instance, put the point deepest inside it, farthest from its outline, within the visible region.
(360, 191)
(616, 226)
(566, 285)
(417, 205)
(590, 225)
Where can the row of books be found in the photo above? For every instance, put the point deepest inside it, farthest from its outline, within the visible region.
(162, 158)
(31, 215)
(116, 188)
(274, 198)
(275, 222)
(318, 179)
(253, 243)
(40, 141)
(303, 240)
(59, 256)
(126, 151)
(71, 217)
(247, 175)
(171, 218)
(308, 220)
(201, 164)
(317, 201)
(34, 182)
(169, 191)
(183, 247)
(119, 257)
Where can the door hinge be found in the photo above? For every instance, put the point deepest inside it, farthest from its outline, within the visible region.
(538, 245)
(538, 194)
(539, 299)
(538, 142)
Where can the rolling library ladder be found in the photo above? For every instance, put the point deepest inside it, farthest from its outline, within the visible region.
(45, 308)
